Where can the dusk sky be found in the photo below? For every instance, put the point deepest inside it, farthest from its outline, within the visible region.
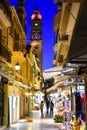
(47, 9)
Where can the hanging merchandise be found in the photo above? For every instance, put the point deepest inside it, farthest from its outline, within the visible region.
(59, 116)
(75, 123)
(78, 116)
(67, 116)
(78, 104)
(83, 106)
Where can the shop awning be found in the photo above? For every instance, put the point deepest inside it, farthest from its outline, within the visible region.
(54, 87)
(57, 72)
(49, 73)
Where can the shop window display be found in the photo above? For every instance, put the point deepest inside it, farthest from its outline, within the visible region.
(71, 110)
(78, 115)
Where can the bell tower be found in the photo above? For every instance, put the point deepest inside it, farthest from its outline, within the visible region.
(36, 36)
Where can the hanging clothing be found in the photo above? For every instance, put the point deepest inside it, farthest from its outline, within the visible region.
(83, 105)
(78, 104)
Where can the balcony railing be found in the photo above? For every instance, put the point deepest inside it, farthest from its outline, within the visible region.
(18, 46)
(6, 7)
(4, 50)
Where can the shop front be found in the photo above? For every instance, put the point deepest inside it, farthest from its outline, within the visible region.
(79, 106)
(14, 115)
(69, 104)
(18, 103)
(74, 107)
(38, 97)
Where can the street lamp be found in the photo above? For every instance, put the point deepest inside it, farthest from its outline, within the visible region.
(17, 66)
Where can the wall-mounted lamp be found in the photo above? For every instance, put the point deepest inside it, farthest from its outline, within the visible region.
(17, 66)
(35, 84)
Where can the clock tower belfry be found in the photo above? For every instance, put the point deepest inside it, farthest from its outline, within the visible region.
(36, 36)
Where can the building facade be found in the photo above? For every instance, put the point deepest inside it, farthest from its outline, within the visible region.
(68, 23)
(64, 23)
(14, 84)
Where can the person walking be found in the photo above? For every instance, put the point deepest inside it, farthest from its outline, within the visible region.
(47, 106)
(41, 108)
(51, 108)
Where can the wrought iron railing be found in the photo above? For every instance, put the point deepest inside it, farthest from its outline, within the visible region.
(5, 5)
(4, 50)
(18, 46)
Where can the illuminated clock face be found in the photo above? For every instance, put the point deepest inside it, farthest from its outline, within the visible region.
(36, 24)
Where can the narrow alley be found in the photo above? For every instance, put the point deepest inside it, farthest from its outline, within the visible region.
(43, 64)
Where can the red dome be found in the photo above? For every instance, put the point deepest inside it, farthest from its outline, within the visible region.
(36, 15)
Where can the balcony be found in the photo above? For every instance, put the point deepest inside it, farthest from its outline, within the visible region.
(4, 50)
(18, 46)
(4, 4)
